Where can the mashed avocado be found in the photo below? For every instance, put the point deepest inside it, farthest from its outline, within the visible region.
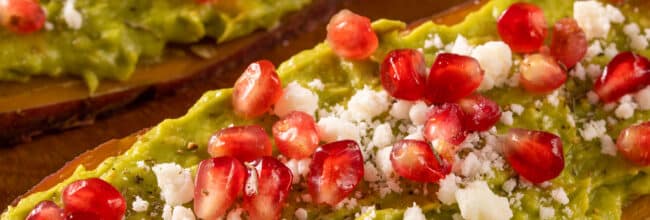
(114, 36)
(597, 185)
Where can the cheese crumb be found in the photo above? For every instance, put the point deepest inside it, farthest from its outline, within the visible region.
(593, 129)
(509, 185)
(139, 205)
(418, 112)
(626, 108)
(594, 18)
(506, 118)
(414, 213)
(370, 173)
(593, 50)
(400, 109)
(607, 145)
(447, 190)
(611, 50)
(182, 213)
(517, 108)
(476, 201)
(382, 159)
(637, 40)
(296, 98)
(316, 84)
(71, 16)
(546, 212)
(333, 129)
(578, 72)
(470, 166)
(495, 58)
(433, 41)
(460, 46)
(553, 98)
(642, 98)
(367, 104)
(301, 214)
(383, 135)
(560, 196)
(175, 183)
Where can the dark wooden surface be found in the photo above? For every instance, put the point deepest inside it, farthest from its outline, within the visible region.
(26, 164)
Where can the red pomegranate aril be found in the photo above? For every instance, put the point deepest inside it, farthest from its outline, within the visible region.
(452, 77)
(480, 113)
(256, 90)
(634, 144)
(22, 16)
(296, 135)
(403, 74)
(46, 210)
(626, 73)
(444, 122)
(523, 27)
(535, 155)
(568, 43)
(541, 74)
(218, 183)
(335, 171)
(416, 160)
(95, 198)
(266, 189)
(351, 36)
(245, 143)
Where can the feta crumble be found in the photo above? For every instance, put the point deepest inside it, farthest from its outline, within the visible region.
(476, 201)
(139, 205)
(296, 98)
(506, 118)
(460, 46)
(607, 145)
(642, 98)
(71, 16)
(400, 109)
(367, 104)
(517, 108)
(333, 129)
(495, 58)
(546, 213)
(175, 183)
(414, 213)
(593, 129)
(418, 112)
(383, 135)
(637, 40)
(560, 196)
(626, 107)
(595, 18)
(447, 190)
(316, 84)
(382, 159)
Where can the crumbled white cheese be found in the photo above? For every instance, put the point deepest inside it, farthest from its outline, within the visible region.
(367, 104)
(414, 213)
(383, 135)
(470, 166)
(611, 50)
(546, 213)
(637, 40)
(370, 173)
(594, 71)
(142, 165)
(593, 129)
(433, 41)
(553, 98)
(560, 196)
(506, 118)
(167, 212)
(594, 18)
(460, 46)
(400, 109)
(182, 213)
(517, 108)
(298, 167)
(642, 98)
(382, 159)
(607, 145)
(495, 59)
(578, 72)
(418, 113)
(71, 16)
(571, 120)
(175, 183)
(626, 108)
(296, 98)
(139, 205)
(509, 185)
(235, 214)
(316, 84)
(333, 129)
(301, 214)
(447, 190)
(593, 50)
(476, 201)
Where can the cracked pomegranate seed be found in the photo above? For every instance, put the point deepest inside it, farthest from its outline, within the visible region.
(452, 77)
(626, 73)
(416, 160)
(568, 42)
(541, 74)
(480, 113)
(296, 135)
(22, 16)
(403, 74)
(245, 143)
(535, 155)
(46, 210)
(256, 90)
(218, 183)
(351, 36)
(445, 122)
(634, 143)
(523, 27)
(335, 171)
(266, 188)
(93, 198)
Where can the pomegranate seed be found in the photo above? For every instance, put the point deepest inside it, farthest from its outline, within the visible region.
(480, 113)
(523, 27)
(403, 74)
(569, 42)
(218, 183)
(541, 74)
(93, 198)
(416, 160)
(444, 122)
(256, 90)
(245, 143)
(351, 36)
(634, 143)
(267, 188)
(296, 135)
(335, 171)
(46, 210)
(452, 77)
(22, 16)
(626, 73)
(535, 155)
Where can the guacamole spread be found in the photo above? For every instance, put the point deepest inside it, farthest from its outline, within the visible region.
(595, 183)
(98, 40)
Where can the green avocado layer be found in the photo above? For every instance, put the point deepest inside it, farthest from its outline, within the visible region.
(597, 185)
(116, 35)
